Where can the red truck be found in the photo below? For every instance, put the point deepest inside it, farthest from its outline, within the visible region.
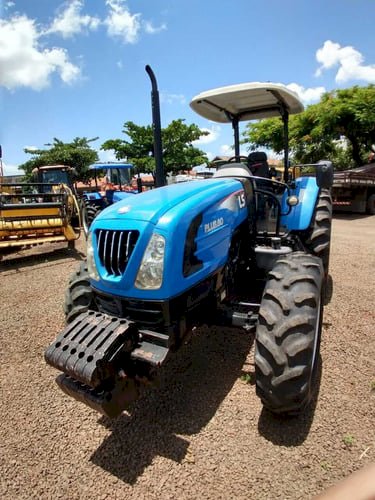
(354, 190)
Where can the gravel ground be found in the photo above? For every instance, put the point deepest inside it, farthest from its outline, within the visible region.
(202, 432)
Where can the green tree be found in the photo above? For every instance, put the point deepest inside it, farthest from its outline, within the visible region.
(137, 150)
(317, 132)
(77, 154)
(179, 153)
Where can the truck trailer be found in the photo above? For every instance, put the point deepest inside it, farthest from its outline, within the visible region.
(354, 190)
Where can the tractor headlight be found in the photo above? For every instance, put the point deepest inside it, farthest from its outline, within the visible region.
(91, 266)
(150, 273)
(292, 200)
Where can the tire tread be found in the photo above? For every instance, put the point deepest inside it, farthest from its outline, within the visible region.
(284, 345)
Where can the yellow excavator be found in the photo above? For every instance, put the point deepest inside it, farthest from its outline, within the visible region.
(42, 211)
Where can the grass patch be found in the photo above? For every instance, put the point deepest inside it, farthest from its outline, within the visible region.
(325, 465)
(247, 378)
(348, 440)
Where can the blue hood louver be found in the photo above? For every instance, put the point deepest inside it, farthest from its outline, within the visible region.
(115, 248)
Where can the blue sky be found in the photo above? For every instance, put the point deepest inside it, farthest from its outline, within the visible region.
(76, 68)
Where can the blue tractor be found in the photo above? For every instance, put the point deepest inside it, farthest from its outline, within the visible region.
(237, 249)
(112, 184)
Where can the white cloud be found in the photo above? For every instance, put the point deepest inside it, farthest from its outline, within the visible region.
(172, 98)
(11, 169)
(349, 62)
(226, 150)
(107, 155)
(213, 134)
(307, 95)
(70, 21)
(151, 29)
(24, 63)
(121, 23)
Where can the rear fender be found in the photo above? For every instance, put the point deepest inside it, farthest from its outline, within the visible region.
(299, 218)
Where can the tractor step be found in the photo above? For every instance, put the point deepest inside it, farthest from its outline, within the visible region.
(240, 313)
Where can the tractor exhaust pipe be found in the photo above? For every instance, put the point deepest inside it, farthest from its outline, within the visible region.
(158, 150)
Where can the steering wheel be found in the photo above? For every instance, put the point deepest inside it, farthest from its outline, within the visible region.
(238, 159)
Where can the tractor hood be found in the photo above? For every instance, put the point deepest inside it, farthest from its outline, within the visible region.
(150, 206)
(196, 219)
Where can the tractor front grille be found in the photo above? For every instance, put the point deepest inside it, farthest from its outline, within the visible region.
(115, 248)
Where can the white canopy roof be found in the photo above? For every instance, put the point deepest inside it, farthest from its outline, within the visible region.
(247, 101)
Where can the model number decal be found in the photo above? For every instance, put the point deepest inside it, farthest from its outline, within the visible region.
(214, 224)
(241, 200)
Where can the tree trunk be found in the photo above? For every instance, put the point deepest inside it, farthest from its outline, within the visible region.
(356, 151)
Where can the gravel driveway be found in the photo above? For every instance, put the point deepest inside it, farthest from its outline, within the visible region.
(202, 434)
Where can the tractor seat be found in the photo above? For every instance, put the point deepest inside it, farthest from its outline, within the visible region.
(258, 164)
(240, 172)
(236, 170)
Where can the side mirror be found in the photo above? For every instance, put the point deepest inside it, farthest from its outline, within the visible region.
(324, 174)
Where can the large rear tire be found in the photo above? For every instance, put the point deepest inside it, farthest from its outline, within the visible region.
(288, 334)
(78, 296)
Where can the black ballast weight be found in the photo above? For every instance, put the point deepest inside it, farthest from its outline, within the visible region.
(97, 354)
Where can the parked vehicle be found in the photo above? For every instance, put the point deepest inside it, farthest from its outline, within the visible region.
(235, 249)
(46, 210)
(113, 182)
(354, 190)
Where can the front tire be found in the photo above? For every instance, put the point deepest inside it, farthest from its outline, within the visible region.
(288, 334)
(89, 212)
(317, 238)
(78, 296)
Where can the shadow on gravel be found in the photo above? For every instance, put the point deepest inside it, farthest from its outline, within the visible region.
(192, 386)
(18, 259)
(290, 431)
